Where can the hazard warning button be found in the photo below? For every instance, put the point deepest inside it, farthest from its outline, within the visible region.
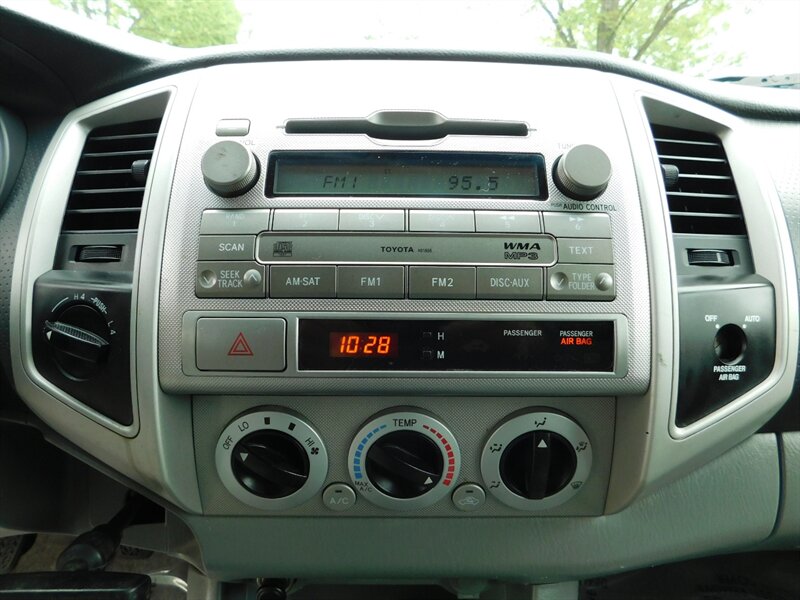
(236, 344)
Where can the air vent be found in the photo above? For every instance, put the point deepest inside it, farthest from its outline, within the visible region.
(701, 193)
(109, 184)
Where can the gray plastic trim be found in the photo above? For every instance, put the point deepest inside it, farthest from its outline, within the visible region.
(138, 452)
(713, 510)
(655, 450)
(13, 139)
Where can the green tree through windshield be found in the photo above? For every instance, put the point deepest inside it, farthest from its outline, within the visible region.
(672, 34)
(186, 23)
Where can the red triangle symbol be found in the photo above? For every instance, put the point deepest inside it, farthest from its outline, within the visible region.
(240, 347)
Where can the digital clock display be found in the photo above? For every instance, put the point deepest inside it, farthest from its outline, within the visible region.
(363, 344)
(426, 174)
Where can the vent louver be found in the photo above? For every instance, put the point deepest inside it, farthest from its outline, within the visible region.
(701, 193)
(108, 188)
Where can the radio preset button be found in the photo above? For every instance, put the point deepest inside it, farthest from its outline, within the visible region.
(441, 220)
(497, 221)
(510, 283)
(441, 282)
(221, 222)
(229, 279)
(302, 282)
(581, 282)
(584, 251)
(300, 219)
(370, 282)
(372, 220)
(227, 247)
(580, 225)
(237, 344)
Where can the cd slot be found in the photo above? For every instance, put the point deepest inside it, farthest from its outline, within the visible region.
(406, 125)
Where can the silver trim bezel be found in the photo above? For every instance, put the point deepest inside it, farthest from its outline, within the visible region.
(433, 495)
(189, 341)
(520, 425)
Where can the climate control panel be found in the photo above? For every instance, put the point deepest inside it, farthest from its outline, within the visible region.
(405, 459)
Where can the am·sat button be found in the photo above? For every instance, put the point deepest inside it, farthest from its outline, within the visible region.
(309, 281)
(240, 344)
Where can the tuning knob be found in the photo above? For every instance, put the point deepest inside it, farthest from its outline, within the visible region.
(229, 169)
(582, 172)
(78, 338)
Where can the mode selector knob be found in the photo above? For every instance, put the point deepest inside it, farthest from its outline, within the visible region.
(229, 169)
(582, 172)
(538, 464)
(536, 460)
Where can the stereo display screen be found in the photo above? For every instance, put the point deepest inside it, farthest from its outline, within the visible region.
(426, 174)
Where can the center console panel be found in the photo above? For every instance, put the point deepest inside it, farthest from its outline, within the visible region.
(383, 319)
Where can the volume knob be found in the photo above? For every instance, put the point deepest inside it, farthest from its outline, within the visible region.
(229, 169)
(582, 172)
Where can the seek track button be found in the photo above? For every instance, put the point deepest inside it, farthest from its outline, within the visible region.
(229, 279)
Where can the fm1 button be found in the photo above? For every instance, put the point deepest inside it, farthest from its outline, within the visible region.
(469, 497)
(339, 497)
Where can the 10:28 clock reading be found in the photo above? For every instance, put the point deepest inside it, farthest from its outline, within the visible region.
(360, 344)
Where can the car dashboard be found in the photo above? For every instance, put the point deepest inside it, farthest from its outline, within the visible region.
(415, 317)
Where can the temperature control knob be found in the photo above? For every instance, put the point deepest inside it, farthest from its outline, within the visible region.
(536, 460)
(271, 459)
(582, 172)
(404, 459)
(229, 169)
(404, 464)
